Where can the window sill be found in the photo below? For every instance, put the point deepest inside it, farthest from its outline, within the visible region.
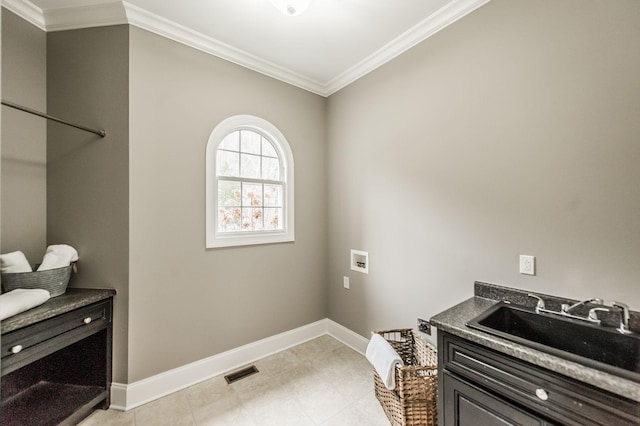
(248, 240)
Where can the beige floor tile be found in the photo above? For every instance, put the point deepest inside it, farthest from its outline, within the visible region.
(110, 417)
(310, 351)
(351, 381)
(253, 385)
(308, 384)
(320, 382)
(224, 411)
(172, 410)
(365, 411)
(354, 384)
(284, 360)
(212, 389)
(321, 401)
(278, 412)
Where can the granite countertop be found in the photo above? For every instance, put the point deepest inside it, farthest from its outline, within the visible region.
(72, 299)
(454, 321)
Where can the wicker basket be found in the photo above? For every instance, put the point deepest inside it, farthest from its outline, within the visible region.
(414, 400)
(55, 281)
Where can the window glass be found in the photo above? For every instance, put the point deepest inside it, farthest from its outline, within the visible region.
(231, 142)
(252, 202)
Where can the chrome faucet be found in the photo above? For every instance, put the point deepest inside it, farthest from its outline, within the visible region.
(624, 317)
(592, 317)
(566, 309)
(540, 305)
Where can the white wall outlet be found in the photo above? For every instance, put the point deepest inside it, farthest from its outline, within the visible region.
(345, 282)
(527, 264)
(360, 261)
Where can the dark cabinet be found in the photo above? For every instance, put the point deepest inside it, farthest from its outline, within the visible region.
(57, 370)
(480, 386)
(468, 404)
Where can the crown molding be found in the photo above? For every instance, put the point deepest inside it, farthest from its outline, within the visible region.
(27, 11)
(141, 18)
(121, 12)
(69, 18)
(441, 19)
(92, 15)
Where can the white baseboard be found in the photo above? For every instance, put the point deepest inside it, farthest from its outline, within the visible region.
(126, 397)
(346, 336)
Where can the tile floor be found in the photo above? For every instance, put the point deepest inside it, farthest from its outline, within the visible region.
(320, 382)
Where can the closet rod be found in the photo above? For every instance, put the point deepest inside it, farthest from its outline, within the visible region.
(100, 133)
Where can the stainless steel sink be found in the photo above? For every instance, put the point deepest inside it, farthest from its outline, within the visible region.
(593, 345)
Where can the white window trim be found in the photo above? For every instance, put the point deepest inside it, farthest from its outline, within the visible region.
(231, 124)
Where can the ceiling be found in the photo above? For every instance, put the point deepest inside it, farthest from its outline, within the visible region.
(332, 44)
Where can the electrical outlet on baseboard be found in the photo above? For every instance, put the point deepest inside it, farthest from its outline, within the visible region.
(424, 326)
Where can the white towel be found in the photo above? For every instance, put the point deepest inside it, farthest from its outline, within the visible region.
(58, 256)
(384, 359)
(20, 300)
(14, 262)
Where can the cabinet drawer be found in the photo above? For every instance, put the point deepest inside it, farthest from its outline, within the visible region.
(469, 405)
(554, 396)
(31, 343)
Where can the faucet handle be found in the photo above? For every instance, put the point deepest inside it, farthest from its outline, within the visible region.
(593, 314)
(624, 309)
(565, 308)
(540, 304)
(624, 317)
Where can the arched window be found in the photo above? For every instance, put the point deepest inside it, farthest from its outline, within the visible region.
(249, 188)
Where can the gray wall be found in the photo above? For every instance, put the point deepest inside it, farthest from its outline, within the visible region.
(514, 131)
(186, 302)
(88, 177)
(24, 177)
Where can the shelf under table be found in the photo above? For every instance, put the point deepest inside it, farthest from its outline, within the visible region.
(47, 404)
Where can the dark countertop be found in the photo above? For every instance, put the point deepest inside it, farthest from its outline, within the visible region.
(454, 320)
(72, 299)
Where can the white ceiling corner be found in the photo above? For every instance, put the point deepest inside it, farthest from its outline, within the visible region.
(321, 51)
(441, 19)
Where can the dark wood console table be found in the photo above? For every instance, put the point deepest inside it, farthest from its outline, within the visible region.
(56, 360)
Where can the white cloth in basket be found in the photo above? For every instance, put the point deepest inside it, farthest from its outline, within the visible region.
(58, 256)
(384, 359)
(20, 300)
(14, 262)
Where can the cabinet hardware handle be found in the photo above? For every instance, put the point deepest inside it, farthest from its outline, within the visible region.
(15, 349)
(542, 394)
(87, 320)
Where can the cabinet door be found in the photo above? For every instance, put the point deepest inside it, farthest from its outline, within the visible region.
(567, 401)
(468, 405)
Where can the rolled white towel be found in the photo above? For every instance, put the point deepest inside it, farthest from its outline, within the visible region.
(384, 359)
(20, 300)
(14, 262)
(58, 256)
